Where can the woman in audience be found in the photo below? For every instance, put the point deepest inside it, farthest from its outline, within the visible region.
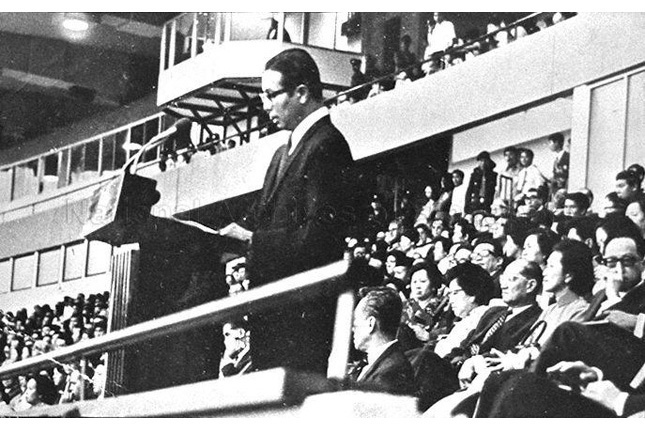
(421, 309)
(538, 245)
(470, 288)
(40, 391)
(636, 212)
(445, 195)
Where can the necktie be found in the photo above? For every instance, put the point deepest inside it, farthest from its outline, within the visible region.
(475, 347)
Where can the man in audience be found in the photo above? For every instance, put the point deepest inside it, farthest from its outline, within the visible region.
(529, 177)
(481, 188)
(560, 176)
(575, 205)
(458, 193)
(487, 254)
(508, 190)
(376, 321)
(236, 358)
(297, 222)
(504, 327)
(627, 186)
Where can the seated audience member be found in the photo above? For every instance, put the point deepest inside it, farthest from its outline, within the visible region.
(582, 229)
(514, 235)
(424, 243)
(504, 327)
(568, 276)
(613, 205)
(397, 266)
(481, 188)
(487, 254)
(538, 245)
(463, 232)
(376, 321)
(530, 175)
(627, 186)
(427, 211)
(236, 358)
(470, 288)
(440, 249)
(422, 309)
(616, 348)
(458, 193)
(575, 205)
(499, 207)
(439, 225)
(393, 234)
(407, 240)
(364, 270)
(636, 212)
(40, 391)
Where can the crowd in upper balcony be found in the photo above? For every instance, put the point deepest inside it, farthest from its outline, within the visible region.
(26, 334)
(444, 48)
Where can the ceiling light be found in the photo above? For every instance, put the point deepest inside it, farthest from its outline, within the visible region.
(77, 22)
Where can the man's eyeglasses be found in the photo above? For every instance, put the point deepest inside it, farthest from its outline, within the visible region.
(268, 96)
(626, 261)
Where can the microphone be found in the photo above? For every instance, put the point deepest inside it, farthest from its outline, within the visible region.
(180, 127)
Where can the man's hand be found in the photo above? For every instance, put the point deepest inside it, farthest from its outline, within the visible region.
(574, 373)
(234, 231)
(621, 319)
(606, 393)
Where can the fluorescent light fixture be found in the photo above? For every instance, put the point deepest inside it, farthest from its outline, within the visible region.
(77, 22)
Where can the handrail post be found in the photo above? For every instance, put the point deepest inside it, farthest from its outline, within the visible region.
(339, 356)
(83, 370)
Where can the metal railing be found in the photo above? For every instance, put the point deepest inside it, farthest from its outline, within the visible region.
(285, 292)
(434, 57)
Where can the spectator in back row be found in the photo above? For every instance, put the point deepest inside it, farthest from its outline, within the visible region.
(530, 176)
(481, 189)
(560, 176)
(628, 186)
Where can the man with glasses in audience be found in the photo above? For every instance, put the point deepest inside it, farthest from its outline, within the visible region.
(488, 255)
(301, 217)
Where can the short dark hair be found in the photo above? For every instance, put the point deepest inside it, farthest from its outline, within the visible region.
(557, 138)
(406, 39)
(546, 239)
(621, 226)
(458, 172)
(445, 242)
(580, 199)
(297, 68)
(385, 305)
(639, 170)
(532, 270)
(577, 261)
(467, 229)
(434, 275)
(474, 280)
(616, 201)
(528, 152)
(585, 227)
(401, 258)
(628, 176)
(484, 155)
(511, 149)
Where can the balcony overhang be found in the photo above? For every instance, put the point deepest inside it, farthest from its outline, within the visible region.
(224, 80)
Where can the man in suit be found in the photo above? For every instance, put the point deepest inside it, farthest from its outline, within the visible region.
(615, 342)
(503, 327)
(300, 220)
(376, 321)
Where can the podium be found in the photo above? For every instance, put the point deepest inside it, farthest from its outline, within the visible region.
(176, 265)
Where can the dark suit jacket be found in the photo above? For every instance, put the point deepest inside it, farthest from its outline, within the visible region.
(473, 198)
(391, 373)
(300, 222)
(509, 335)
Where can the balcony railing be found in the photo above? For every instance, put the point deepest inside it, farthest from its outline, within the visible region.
(193, 33)
(326, 280)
